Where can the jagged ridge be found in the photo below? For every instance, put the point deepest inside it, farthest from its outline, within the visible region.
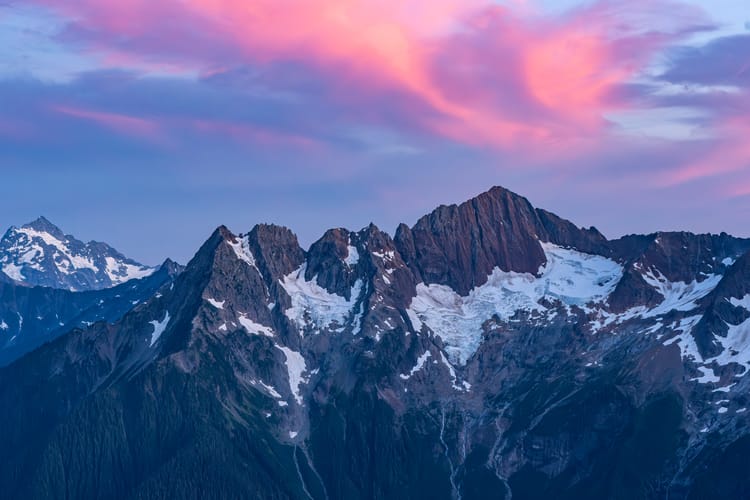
(493, 348)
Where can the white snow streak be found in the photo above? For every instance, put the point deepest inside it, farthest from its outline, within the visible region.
(295, 365)
(159, 328)
(273, 392)
(242, 251)
(254, 328)
(216, 303)
(454, 379)
(420, 363)
(685, 340)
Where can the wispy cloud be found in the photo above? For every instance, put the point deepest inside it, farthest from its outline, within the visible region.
(468, 71)
(121, 123)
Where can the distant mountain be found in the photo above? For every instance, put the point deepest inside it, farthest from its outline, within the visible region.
(492, 350)
(31, 316)
(40, 254)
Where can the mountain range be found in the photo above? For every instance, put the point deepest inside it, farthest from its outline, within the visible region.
(51, 283)
(492, 350)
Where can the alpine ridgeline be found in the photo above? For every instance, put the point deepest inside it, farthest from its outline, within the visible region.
(493, 350)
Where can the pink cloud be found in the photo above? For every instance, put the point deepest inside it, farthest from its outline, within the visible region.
(491, 76)
(125, 124)
(163, 131)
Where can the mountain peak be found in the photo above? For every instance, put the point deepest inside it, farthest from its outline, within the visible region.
(43, 225)
(499, 191)
(41, 254)
(460, 245)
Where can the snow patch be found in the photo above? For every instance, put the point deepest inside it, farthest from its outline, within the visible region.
(216, 303)
(708, 376)
(736, 346)
(416, 323)
(352, 256)
(13, 271)
(357, 321)
(465, 386)
(388, 255)
(569, 277)
(295, 365)
(44, 236)
(313, 306)
(120, 272)
(744, 302)
(255, 328)
(725, 389)
(678, 296)
(654, 328)
(242, 250)
(685, 340)
(273, 392)
(159, 328)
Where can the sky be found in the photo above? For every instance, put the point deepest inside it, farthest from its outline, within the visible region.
(148, 124)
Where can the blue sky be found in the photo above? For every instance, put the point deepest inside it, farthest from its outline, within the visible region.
(147, 125)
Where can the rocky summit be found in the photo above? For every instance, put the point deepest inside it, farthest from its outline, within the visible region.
(492, 350)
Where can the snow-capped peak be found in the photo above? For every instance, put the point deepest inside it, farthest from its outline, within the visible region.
(40, 254)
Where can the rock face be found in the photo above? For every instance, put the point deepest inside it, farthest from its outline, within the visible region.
(493, 350)
(459, 246)
(40, 254)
